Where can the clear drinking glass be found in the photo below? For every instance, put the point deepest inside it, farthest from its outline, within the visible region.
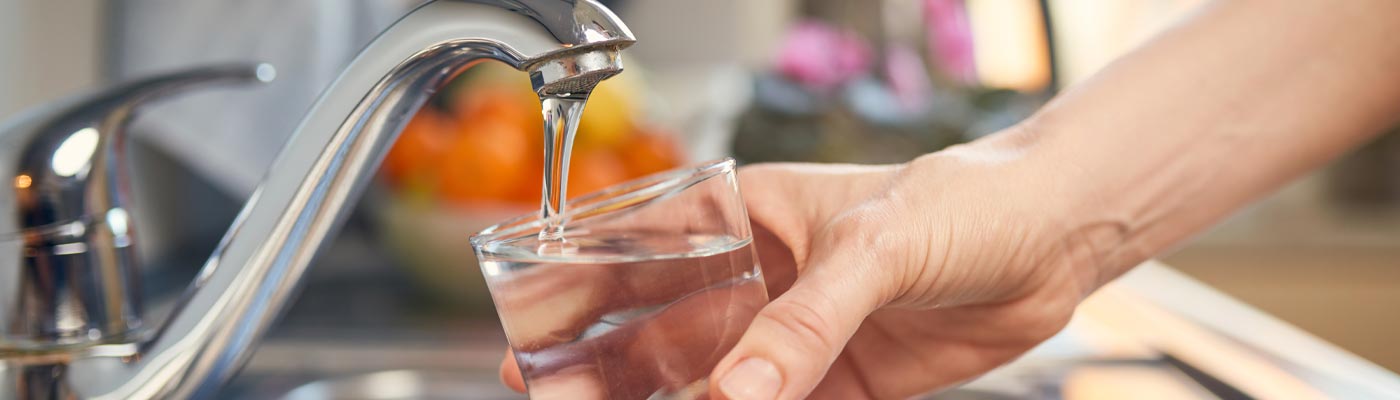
(654, 282)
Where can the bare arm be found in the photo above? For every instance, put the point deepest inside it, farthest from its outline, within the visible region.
(957, 262)
(1224, 108)
(917, 276)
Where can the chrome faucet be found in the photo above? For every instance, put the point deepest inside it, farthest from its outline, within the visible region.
(90, 343)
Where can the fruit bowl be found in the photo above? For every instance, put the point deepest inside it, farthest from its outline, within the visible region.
(474, 156)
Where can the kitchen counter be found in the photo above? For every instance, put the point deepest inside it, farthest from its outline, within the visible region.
(359, 317)
(1323, 265)
(1155, 310)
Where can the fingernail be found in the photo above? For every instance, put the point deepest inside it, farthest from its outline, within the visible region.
(752, 379)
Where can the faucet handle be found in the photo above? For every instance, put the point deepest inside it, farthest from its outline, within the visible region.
(68, 268)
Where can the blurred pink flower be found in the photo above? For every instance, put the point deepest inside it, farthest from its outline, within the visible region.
(950, 38)
(820, 57)
(908, 77)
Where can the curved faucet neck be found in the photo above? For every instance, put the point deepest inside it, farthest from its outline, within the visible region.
(319, 174)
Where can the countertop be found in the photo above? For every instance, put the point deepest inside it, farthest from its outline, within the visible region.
(358, 316)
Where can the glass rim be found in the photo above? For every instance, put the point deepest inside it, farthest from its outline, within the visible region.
(614, 198)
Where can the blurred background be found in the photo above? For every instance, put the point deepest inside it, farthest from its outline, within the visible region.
(782, 80)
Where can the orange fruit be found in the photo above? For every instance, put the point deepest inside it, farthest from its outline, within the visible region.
(650, 151)
(485, 164)
(493, 90)
(591, 171)
(420, 146)
(528, 190)
(497, 104)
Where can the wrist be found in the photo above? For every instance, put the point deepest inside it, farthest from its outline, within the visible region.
(1085, 219)
(999, 204)
(1050, 189)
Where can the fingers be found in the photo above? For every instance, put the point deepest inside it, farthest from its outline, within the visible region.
(510, 373)
(791, 202)
(797, 199)
(776, 260)
(793, 341)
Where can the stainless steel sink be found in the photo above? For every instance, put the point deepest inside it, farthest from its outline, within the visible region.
(401, 384)
(361, 330)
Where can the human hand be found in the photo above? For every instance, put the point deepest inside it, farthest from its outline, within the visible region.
(890, 281)
(908, 278)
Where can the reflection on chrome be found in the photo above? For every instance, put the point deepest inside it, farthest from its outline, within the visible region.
(75, 153)
(80, 334)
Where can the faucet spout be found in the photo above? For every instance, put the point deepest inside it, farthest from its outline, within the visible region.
(565, 45)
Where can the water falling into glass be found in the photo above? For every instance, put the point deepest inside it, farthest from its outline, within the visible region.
(561, 117)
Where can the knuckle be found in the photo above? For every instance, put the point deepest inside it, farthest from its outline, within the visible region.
(869, 228)
(760, 171)
(884, 245)
(1047, 328)
(951, 160)
(1053, 314)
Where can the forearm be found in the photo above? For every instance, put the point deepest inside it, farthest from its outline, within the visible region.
(1218, 111)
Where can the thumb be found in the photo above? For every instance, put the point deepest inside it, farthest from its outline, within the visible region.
(791, 343)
